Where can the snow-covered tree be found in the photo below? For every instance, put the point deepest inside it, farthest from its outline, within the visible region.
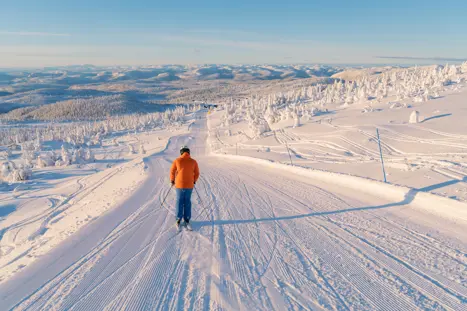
(66, 157)
(89, 155)
(296, 119)
(40, 163)
(29, 153)
(306, 116)
(78, 156)
(258, 126)
(6, 153)
(88, 132)
(22, 173)
(7, 168)
(464, 67)
(12, 173)
(414, 117)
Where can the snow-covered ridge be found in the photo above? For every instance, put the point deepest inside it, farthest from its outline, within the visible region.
(141, 86)
(74, 75)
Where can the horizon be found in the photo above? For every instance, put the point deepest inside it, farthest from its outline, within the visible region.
(147, 66)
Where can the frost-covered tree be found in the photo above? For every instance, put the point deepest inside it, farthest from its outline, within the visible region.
(6, 153)
(271, 115)
(414, 117)
(89, 155)
(96, 140)
(296, 119)
(258, 126)
(22, 173)
(29, 153)
(12, 173)
(463, 67)
(287, 115)
(306, 116)
(84, 132)
(37, 145)
(78, 156)
(40, 163)
(66, 156)
(7, 168)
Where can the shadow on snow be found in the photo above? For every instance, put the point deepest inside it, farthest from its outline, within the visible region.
(408, 198)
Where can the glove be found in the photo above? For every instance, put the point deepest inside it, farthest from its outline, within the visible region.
(173, 182)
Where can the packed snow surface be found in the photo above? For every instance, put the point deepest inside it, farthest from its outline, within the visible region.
(264, 239)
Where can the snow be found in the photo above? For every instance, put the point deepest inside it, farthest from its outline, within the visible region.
(58, 201)
(428, 150)
(290, 212)
(414, 117)
(442, 207)
(266, 236)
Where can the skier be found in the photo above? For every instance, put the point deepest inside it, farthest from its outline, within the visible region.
(183, 175)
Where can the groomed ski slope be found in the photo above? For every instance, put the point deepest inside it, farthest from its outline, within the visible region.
(267, 240)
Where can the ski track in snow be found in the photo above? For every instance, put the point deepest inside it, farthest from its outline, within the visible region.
(266, 241)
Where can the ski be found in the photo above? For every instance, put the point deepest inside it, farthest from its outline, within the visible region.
(178, 227)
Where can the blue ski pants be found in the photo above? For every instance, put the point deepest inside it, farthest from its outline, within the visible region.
(183, 204)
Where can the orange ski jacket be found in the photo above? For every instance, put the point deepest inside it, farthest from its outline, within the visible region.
(184, 171)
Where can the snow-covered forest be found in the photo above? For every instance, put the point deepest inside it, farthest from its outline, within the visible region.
(414, 84)
(77, 139)
(91, 108)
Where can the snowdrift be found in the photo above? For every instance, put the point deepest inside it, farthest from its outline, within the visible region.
(443, 207)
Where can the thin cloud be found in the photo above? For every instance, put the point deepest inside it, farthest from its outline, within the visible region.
(254, 44)
(224, 32)
(33, 34)
(444, 59)
(59, 51)
(51, 55)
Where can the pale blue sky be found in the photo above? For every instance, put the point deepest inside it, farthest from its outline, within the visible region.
(104, 32)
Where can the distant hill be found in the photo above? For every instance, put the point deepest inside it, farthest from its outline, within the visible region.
(90, 74)
(77, 84)
(83, 109)
(354, 74)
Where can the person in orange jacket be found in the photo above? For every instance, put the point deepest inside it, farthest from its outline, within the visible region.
(183, 175)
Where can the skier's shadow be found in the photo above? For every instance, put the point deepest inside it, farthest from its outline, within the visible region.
(408, 198)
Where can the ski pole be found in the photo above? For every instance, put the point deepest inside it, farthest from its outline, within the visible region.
(165, 198)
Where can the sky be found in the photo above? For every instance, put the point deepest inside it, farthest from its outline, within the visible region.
(102, 32)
